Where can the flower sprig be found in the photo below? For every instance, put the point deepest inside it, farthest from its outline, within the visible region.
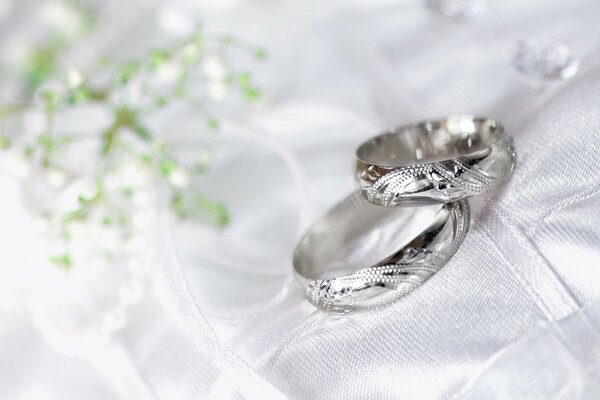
(111, 194)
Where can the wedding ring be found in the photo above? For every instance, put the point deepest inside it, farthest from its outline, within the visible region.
(360, 255)
(436, 161)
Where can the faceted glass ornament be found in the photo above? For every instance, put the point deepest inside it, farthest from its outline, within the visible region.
(456, 9)
(541, 63)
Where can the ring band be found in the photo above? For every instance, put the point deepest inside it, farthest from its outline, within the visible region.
(436, 161)
(360, 255)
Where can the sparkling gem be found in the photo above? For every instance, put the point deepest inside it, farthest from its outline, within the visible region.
(544, 62)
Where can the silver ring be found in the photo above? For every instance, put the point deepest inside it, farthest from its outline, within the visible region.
(360, 255)
(436, 161)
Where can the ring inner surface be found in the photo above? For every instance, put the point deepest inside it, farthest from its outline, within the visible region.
(357, 234)
(430, 141)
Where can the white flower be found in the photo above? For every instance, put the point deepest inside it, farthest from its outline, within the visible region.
(56, 178)
(168, 73)
(205, 157)
(218, 91)
(179, 177)
(74, 78)
(214, 67)
(134, 174)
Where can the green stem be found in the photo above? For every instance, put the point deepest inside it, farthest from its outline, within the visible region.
(109, 137)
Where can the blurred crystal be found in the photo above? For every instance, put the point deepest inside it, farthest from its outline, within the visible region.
(456, 9)
(544, 62)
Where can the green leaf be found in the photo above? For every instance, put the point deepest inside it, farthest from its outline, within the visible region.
(244, 79)
(78, 95)
(76, 215)
(160, 101)
(260, 54)
(125, 116)
(167, 166)
(146, 159)
(142, 133)
(4, 142)
(47, 142)
(160, 145)
(61, 260)
(49, 96)
(156, 59)
(177, 205)
(128, 71)
(212, 124)
(28, 151)
(128, 192)
(253, 94)
(191, 53)
(109, 137)
(216, 212)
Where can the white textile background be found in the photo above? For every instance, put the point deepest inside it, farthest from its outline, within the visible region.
(513, 315)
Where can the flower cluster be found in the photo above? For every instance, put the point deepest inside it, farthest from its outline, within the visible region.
(96, 174)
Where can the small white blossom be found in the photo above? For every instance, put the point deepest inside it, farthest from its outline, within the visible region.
(205, 157)
(214, 67)
(56, 178)
(179, 178)
(168, 73)
(74, 78)
(133, 174)
(218, 91)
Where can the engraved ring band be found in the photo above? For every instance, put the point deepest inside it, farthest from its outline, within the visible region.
(408, 217)
(435, 161)
(361, 255)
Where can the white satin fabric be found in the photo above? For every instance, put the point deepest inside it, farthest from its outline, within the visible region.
(514, 314)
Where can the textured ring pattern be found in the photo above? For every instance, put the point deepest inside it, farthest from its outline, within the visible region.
(387, 281)
(465, 162)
